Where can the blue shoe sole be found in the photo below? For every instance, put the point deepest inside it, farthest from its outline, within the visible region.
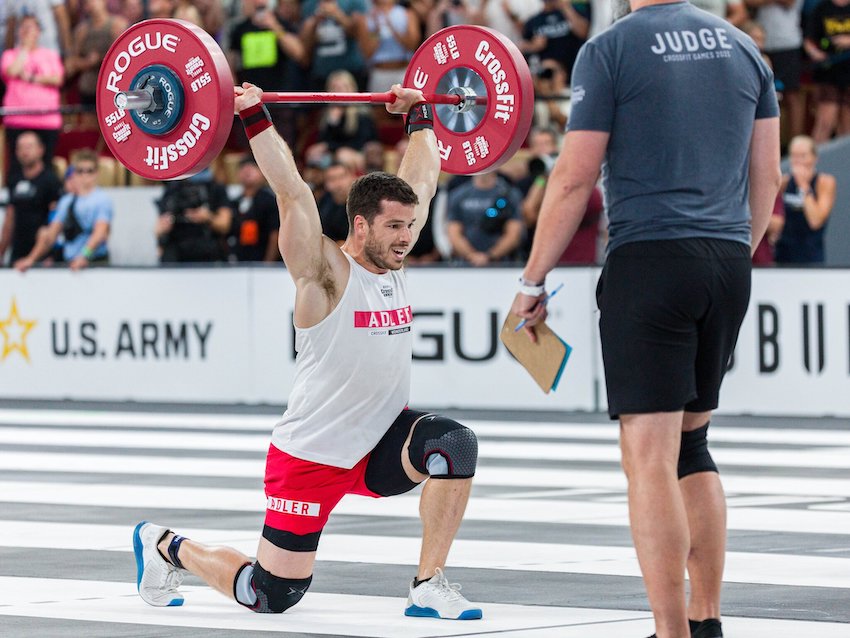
(137, 551)
(140, 564)
(430, 612)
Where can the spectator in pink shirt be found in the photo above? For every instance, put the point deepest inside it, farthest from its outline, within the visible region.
(33, 76)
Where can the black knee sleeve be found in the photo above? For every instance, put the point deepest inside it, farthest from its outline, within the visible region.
(271, 594)
(693, 454)
(443, 448)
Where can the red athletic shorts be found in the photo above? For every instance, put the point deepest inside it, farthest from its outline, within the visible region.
(300, 495)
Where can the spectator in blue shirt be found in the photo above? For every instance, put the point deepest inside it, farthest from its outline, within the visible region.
(484, 220)
(556, 33)
(83, 217)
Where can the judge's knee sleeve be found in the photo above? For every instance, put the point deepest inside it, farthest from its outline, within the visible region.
(265, 593)
(443, 448)
(693, 454)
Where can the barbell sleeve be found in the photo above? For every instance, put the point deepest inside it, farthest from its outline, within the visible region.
(140, 100)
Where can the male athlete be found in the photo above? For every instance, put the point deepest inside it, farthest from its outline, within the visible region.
(681, 108)
(346, 429)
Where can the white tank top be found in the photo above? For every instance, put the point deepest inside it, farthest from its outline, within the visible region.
(352, 372)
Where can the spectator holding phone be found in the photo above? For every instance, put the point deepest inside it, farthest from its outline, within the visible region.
(329, 34)
(808, 197)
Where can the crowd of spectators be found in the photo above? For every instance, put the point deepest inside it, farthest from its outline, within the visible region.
(52, 51)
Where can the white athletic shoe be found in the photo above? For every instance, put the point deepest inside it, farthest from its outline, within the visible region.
(438, 598)
(156, 579)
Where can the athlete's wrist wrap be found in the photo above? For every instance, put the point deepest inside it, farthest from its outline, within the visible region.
(256, 119)
(531, 288)
(420, 116)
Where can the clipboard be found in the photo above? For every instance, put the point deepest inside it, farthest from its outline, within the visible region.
(544, 360)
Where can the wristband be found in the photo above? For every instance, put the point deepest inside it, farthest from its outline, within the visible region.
(87, 253)
(531, 288)
(256, 119)
(420, 116)
(540, 181)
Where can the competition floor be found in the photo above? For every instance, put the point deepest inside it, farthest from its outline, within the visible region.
(545, 546)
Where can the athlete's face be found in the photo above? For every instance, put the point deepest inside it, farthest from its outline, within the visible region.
(388, 237)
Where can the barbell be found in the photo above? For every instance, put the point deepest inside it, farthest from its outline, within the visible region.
(165, 98)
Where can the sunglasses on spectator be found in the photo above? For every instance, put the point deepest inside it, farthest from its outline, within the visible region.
(85, 170)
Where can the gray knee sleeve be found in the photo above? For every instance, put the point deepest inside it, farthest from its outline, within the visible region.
(693, 454)
(265, 593)
(443, 448)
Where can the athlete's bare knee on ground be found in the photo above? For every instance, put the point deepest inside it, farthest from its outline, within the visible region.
(276, 581)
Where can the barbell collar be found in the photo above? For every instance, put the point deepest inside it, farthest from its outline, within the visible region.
(141, 100)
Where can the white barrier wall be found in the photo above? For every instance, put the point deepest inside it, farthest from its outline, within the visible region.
(793, 353)
(224, 335)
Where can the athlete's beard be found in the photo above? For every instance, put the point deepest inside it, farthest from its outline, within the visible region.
(622, 8)
(375, 253)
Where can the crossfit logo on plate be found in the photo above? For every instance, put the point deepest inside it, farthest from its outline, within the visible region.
(443, 51)
(122, 131)
(477, 150)
(160, 157)
(298, 508)
(194, 67)
(498, 75)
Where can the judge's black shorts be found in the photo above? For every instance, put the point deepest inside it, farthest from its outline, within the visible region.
(670, 315)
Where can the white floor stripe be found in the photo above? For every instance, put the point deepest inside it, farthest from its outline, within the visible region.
(118, 419)
(488, 428)
(340, 614)
(492, 509)
(741, 567)
(132, 464)
(544, 479)
(368, 616)
(834, 457)
(130, 440)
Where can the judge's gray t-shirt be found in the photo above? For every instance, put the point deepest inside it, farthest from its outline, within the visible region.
(679, 91)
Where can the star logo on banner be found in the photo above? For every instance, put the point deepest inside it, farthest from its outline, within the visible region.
(14, 331)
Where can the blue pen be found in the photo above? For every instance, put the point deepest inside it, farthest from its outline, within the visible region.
(544, 302)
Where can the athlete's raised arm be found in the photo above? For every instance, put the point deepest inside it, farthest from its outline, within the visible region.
(315, 263)
(300, 226)
(420, 166)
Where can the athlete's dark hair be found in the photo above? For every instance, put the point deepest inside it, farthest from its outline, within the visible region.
(369, 191)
